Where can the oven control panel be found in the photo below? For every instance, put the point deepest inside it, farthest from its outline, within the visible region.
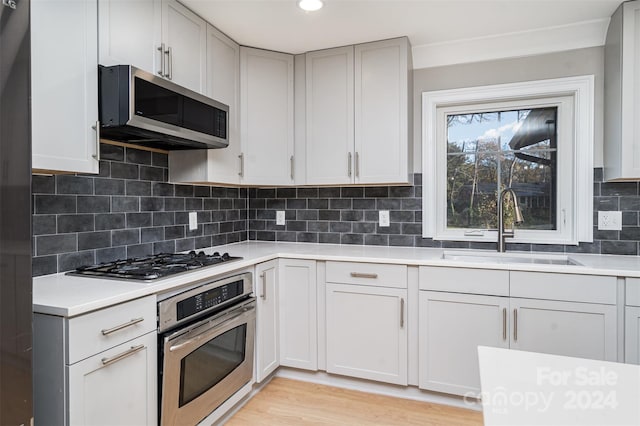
(210, 296)
(208, 299)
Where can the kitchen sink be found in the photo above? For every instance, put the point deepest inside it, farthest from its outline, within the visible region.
(541, 259)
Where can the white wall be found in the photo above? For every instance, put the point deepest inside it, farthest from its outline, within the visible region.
(539, 67)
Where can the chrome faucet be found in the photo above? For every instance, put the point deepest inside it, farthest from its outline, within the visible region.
(503, 233)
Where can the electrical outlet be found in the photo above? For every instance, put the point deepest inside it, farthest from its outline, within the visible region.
(193, 221)
(609, 221)
(280, 217)
(383, 218)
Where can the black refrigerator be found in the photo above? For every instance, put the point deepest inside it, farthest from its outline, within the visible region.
(15, 216)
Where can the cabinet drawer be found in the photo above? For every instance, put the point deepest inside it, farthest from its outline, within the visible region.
(568, 287)
(375, 274)
(465, 280)
(100, 330)
(633, 291)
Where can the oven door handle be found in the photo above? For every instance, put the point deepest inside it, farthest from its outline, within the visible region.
(187, 340)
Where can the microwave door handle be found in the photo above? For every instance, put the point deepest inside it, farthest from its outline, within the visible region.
(188, 339)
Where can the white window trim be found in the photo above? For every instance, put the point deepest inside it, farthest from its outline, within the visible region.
(580, 88)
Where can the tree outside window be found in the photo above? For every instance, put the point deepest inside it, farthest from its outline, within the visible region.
(492, 150)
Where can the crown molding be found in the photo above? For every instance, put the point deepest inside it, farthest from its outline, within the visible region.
(510, 45)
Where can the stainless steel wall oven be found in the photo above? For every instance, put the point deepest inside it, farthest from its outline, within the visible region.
(205, 347)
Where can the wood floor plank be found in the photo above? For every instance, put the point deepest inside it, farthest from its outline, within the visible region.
(286, 402)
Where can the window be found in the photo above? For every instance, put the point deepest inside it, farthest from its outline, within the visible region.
(533, 137)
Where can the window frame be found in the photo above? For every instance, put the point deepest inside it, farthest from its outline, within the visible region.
(575, 186)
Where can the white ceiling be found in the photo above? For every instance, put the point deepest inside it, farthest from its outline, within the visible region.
(280, 25)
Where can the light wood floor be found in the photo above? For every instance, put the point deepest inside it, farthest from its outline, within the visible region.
(285, 402)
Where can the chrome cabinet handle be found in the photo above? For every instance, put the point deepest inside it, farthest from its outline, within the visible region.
(349, 164)
(125, 354)
(161, 50)
(401, 312)
(241, 172)
(515, 325)
(263, 276)
(291, 163)
(96, 127)
(363, 275)
(357, 164)
(169, 54)
(107, 331)
(504, 323)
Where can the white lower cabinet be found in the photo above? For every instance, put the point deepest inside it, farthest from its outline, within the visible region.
(267, 321)
(99, 368)
(366, 332)
(298, 314)
(452, 326)
(583, 330)
(116, 387)
(632, 321)
(632, 335)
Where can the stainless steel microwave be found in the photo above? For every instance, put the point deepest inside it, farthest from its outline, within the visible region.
(140, 108)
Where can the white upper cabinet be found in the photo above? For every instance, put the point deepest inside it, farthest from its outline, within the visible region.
(358, 114)
(159, 36)
(622, 94)
(184, 35)
(223, 85)
(64, 85)
(266, 117)
(329, 110)
(382, 111)
(130, 33)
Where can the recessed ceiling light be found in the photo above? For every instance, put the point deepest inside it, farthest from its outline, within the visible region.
(310, 5)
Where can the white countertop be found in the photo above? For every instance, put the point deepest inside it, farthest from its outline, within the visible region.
(68, 295)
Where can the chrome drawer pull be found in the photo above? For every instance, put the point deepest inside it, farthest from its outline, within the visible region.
(515, 325)
(133, 350)
(363, 275)
(401, 312)
(134, 321)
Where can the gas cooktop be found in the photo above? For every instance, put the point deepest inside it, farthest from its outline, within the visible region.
(153, 267)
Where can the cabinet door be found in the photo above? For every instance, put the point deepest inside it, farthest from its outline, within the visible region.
(64, 85)
(266, 119)
(329, 123)
(451, 328)
(116, 387)
(267, 348)
(583, 330)
(130, 33)
(223, 84)
(382, 112)
(367, 332)
(298, 320)
(185, 37)
(632, 335)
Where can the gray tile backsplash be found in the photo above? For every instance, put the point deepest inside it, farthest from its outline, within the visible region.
(349, 215)
(127, 210)
(130, 210)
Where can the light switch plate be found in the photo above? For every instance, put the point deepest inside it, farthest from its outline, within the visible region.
(193, 221)
(280, 217)
(384, 218)
(609, 221)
